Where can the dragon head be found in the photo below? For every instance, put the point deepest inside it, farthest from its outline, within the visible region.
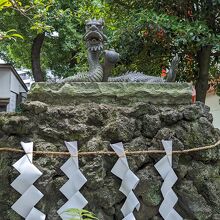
(94, 36)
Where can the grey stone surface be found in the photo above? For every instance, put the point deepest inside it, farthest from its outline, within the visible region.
(96, 124)
(193, 202)
(120, 93)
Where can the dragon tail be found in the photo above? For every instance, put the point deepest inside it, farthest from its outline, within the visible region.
(171, 76)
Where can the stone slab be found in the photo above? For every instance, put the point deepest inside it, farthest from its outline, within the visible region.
(120, 93)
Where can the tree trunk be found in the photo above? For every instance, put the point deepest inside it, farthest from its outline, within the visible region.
(35, 58)
(204, 55)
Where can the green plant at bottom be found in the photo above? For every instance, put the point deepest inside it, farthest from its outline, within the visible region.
(80, 214)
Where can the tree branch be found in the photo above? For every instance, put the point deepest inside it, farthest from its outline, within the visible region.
(16, 7)
(215, 54)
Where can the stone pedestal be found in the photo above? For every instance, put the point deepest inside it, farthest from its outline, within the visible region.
(97, 114)
(120, 93)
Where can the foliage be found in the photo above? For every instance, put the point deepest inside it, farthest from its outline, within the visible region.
(64, 54)
(147, 34)
(21, 17)
(4, 4)
(9, 3)
(10, 34)
(151, 32)
(33, 11)
(80, 214)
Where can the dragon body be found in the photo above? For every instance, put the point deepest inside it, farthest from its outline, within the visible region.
(135, 77)
(141, 77)
(95, 73)
(95, 39)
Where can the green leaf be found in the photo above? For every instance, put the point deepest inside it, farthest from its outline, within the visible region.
(11, 30)
(82, 213)
(16, 35)
(4, 3)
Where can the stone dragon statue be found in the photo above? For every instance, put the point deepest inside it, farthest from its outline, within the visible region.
(95, 39)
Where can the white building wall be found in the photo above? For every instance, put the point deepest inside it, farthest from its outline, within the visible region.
(21, 89)
(10, 87)
(15, 84)
(5, 83)
(23, 92)
(14, 88)
(12, 104)
(213, 101)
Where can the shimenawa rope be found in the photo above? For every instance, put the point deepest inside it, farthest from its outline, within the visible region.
(95, 153)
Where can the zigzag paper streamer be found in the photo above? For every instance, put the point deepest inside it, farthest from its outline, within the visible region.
(164, 167)
(23, 184)
(129, 182)
(76, 180)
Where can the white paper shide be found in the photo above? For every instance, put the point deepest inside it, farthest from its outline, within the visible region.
(164, 167)
(129, 182)
(76, 180)
(23, 184)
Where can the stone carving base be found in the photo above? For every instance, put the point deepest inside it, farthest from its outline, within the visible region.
(119, 93)
(49, 117)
